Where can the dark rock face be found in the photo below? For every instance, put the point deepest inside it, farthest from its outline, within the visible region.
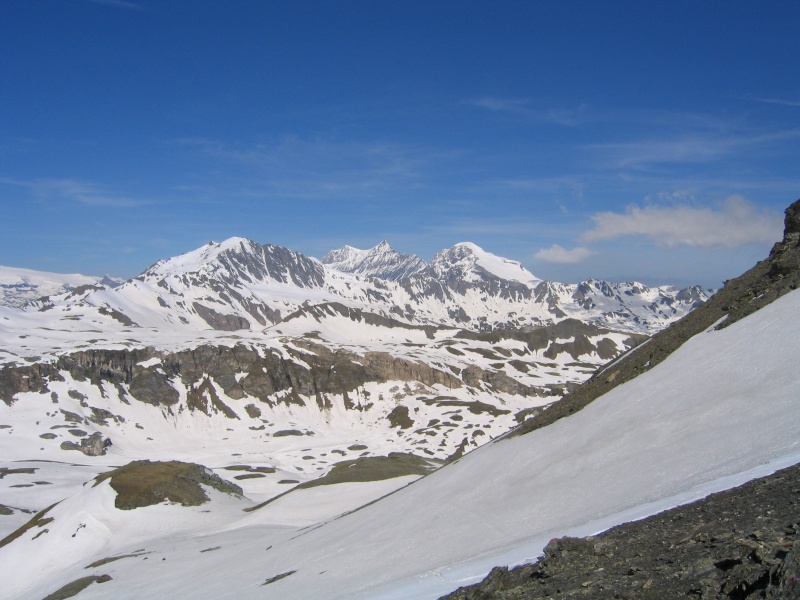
(328, 372)
(218, 320)
(739, 544)
(93, 445)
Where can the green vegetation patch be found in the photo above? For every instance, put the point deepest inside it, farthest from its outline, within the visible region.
(145, 483)
(374, 468)
(363, 469)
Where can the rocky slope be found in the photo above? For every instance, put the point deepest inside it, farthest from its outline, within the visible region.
(742, 543)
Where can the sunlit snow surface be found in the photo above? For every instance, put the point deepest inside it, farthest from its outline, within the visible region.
(720, 410)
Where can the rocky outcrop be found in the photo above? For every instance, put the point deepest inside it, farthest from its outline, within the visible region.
(144, 483)
(310, 369)
(739, 544)
(220, 321)
(93, 445)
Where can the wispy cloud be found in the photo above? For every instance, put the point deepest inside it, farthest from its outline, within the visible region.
(569, 117)
(559, 255)
(691, 148)
(779, 101)
(735, 222)
(72, 190)
(319, 168)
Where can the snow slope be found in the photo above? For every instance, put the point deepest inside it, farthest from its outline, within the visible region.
(723, 408)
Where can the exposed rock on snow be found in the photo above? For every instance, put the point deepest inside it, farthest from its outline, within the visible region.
(76, 587)
(144, 483)
(93, 445)
(742, 543)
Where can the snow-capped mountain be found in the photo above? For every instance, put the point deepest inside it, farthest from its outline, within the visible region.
(289, 413)
(20, 286)
(382, 262)
(467, 263)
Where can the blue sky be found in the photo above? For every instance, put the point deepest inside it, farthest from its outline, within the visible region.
(618, 140)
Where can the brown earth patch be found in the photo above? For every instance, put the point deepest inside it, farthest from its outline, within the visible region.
(144, 483)
(76, 587)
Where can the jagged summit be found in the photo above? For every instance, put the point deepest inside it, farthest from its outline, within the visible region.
(237, 260)
(381, 262)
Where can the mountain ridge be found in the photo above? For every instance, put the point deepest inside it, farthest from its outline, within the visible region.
(240, 284)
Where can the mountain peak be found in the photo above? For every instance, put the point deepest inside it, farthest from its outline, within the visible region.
(383, 247)
(470, 262)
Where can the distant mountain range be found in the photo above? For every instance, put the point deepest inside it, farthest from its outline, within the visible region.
(241, 284)
(20, 286)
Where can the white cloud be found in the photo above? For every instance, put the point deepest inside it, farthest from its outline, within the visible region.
(779, 101)
(735, 222)
(557, 254)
